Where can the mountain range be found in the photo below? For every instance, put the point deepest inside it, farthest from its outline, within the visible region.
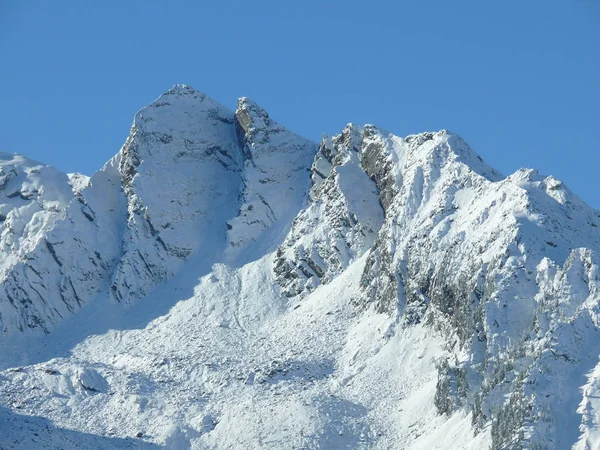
(225, 283)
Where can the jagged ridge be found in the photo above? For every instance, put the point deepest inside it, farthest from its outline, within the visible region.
(324, 265)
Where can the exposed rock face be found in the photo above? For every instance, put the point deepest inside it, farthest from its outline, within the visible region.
(463, 249)
(340, 222)
(468, 252)
(397, 291)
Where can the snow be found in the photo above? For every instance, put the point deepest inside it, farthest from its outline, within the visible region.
(274, 180)
(224, 283)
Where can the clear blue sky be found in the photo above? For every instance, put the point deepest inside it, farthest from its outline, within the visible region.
(519, 80)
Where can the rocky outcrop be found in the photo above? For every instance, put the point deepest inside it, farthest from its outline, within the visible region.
(466, 251)
(340, 222)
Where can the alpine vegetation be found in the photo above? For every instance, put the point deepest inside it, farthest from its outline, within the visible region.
(225, 283)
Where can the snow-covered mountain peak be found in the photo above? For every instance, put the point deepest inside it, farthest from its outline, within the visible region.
(180, 169)
(182, 90)
(259, 133)
(445, 145)
(28, 185)
(275, 177)
(371, 291)
(181, 108)
(39, 211)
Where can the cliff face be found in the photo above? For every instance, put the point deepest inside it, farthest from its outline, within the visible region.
(396, 291)
(340, 222)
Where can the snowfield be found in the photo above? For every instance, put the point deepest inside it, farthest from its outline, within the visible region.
(223, 283)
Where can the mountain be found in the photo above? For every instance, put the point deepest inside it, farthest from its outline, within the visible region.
(225, 283)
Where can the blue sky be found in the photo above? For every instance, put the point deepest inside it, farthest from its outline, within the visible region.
(520, 81)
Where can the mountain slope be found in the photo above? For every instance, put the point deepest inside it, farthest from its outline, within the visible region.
(180, 172)
(47, 227)
(246, 288)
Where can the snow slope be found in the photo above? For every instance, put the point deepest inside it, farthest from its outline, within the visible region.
(225, 283)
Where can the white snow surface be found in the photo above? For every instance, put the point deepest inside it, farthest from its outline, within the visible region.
(224, 283)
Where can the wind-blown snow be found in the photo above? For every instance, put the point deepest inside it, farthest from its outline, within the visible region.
(224, 283)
